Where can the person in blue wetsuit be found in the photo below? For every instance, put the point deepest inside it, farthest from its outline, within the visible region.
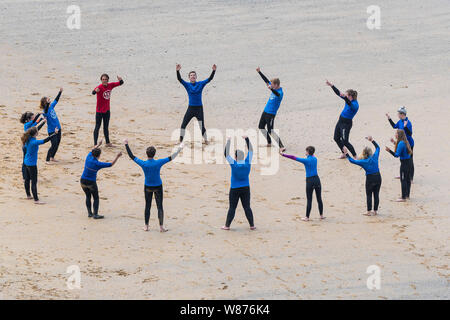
(29, 119)
(345, 122)
(88, 179)
(240, 185)
(270, 111)
(312, 180)
(369, 162)
(49, 113)
(153, 182)
(404, 152)
(194, 90)
(405, 124)
(31, 146)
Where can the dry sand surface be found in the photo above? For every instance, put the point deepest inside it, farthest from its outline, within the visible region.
(406, 62)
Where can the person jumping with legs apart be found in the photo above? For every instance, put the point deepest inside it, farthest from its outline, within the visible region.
(194, 89)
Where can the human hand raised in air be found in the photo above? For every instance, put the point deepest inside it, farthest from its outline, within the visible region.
(119, 78)
(125, 141)
(328, 83)
(258, 69)
(387, 149)
(97, 90)
(61, 89)
(369, 138)
(214, 67)
(392, 140)
(178, 67)
(388, 116)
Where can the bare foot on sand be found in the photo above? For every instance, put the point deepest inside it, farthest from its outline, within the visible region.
(161, 229)
(225, 228)
(305, 219)
(145, 228)
(39, 202)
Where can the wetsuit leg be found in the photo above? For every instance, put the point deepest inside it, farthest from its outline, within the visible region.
(33, 172)
(148, 191)
(88, 194)
(159, 203)
(412, 164)
(190, 113)
(245, 200)
(201, 120)
(376, 193)
(55, 140)
(27, 180)
(318, 189)
(369, 192)
(262, 126)
(309, 194)
(337, 136)
(345, 134)
(270, 123)
(98, 123)
(233, 200)
(106, 117)
(405, 177)
(24, 168)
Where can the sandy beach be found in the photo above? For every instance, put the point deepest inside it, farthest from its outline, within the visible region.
(405, 62)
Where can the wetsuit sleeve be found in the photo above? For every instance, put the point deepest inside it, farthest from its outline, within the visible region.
(275, 92)
(93, 91)
(180, 79)
(394, 125)
(102, 165)
(336, 90)
(377, 149)
(130, 154)
(392, 152)
(211, 76)
(408, 128)
(116, 84)
(40, 125)
(250, 151)
(174, 155)
(354, 161)
(138, 161)
(227, 153)
(264, 77)
(164, 161)
(57, 97)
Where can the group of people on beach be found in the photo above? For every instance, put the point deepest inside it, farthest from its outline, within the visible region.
(239, 163)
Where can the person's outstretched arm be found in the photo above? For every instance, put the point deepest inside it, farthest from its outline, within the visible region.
(250, 150)
(336, 90)
(302, 160)
(41, 124)
(175, 154)
(118, 83)
(213, 72)
(393, 124)
(48, 138)
(130, 154)
(227, 152)
(53, 104)
(116, 158)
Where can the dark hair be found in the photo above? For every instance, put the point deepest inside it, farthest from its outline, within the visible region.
(352, 93)
(310, 150)
(104, 75)
(29, 133)
(25, 116)
(44, 104)
(96, 152)
(151, 152)
(239, 154)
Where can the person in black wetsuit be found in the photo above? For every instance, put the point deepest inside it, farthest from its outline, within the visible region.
(270, 111)
(345, 123)
(194, 89)
(153, 182)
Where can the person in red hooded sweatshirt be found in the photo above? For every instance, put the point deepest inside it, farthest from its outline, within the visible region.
(103, 92)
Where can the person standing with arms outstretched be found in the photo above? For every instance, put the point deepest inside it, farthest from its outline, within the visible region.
(88, 179)
(312, 180)
(194, 90)
(103, 92)
(270, 111)
(405, 124)
(240, 185)
(52, 124)
(345, 123)
(404, 152)
(369, 162)
(153, 182)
